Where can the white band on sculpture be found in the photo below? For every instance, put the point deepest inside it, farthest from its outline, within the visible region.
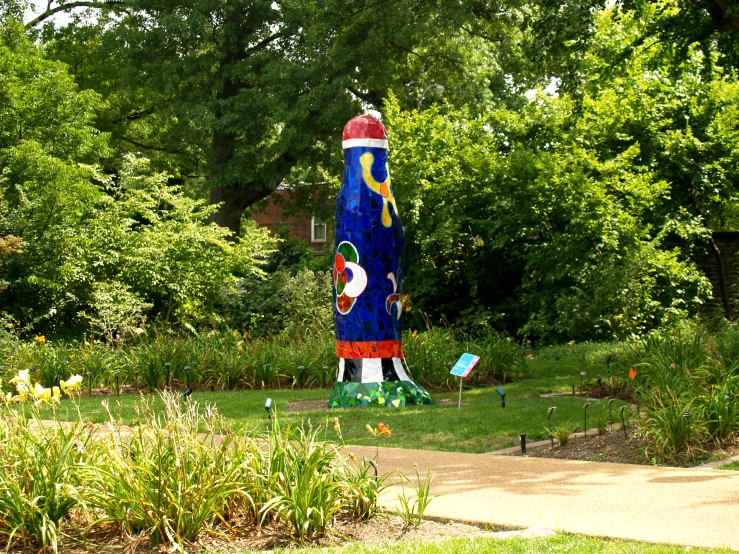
(370, 142)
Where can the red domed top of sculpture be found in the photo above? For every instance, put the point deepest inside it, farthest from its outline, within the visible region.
(364, 127)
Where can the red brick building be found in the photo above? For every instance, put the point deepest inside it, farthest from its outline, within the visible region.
(281, 210)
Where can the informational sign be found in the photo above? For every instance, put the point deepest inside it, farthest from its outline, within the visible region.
(464, 365)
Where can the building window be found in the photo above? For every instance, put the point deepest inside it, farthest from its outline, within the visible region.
(318, 230)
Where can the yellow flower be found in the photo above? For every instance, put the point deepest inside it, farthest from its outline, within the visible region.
(18, 399)
(22, 382)
(41, 394)
(337, 426)
(72, 384)
(41, 339)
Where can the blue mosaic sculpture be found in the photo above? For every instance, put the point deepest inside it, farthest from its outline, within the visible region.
(369, 257)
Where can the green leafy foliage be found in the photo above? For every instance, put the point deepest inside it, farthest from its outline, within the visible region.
(687, 382)
(565, 219)
(179, 471)
(98, 250)
(41, 480)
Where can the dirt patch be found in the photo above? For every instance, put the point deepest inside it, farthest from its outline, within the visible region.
(614, 447)
(315, 405)
(383, 528)
(307, 405)
(610, 447)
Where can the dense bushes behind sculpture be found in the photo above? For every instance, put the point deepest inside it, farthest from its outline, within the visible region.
(231, 360)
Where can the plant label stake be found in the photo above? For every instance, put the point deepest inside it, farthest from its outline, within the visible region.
(117, 384)
(550, 411)
(623, 420)
(89, 382)
(582, 376)
(187, 372)
(585, 427)
(686, 417)
(462, 369)
(523, 444)
(610, 414)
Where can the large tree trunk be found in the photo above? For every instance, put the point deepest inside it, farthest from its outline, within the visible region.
(234, 201)
(722, 280)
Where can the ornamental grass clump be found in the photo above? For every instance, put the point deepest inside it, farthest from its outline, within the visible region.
(41, 468)
(171, 476)
(176, 474)
(306, 486)
(687, 382)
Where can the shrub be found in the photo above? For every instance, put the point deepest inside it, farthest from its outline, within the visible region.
(668, 429)
(562, 433)
(165, 478)
(41, 478)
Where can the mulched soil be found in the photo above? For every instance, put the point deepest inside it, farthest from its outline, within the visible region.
(383, 528)
(613, 447)
(313, 405)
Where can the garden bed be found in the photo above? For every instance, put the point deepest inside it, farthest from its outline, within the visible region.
(384, 528)
(613, 447)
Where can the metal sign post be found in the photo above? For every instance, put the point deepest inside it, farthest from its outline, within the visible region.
(462, 369)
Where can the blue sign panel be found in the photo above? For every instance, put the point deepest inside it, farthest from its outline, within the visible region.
(464, 365)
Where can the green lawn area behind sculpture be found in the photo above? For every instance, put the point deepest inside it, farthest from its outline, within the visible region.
(562, 543)
(481, 425)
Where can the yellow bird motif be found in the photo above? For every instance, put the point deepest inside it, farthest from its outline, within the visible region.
(383, 189)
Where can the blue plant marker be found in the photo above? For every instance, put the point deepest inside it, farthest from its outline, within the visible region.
(464, 365)
(462, 369)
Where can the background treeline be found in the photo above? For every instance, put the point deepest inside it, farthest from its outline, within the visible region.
(136, 135)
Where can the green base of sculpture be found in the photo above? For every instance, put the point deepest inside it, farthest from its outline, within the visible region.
(390, 393)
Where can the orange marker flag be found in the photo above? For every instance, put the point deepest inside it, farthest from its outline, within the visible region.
(632, 373)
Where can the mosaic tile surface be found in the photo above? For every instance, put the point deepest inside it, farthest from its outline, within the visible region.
(393, 394)
(369, 257)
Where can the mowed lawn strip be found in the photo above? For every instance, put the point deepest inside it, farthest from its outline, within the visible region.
(482, 425)
(562, 543)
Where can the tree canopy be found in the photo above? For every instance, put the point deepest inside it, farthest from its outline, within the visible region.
(86, 234)
(133, 139)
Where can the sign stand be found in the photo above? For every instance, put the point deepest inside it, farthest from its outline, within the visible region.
(462, 369)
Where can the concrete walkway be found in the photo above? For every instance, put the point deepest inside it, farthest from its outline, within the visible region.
(695, 507)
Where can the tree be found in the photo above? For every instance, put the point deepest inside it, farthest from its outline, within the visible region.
(568, 219)
(248, 93)
(90, 238)
(563, 34)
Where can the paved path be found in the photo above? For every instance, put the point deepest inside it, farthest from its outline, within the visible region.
(696, 507)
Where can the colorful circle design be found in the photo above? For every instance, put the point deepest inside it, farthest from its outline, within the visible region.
(350, 279)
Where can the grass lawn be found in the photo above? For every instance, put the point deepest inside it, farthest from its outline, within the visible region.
(732, 466)
(561, 543)
(481, 426)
